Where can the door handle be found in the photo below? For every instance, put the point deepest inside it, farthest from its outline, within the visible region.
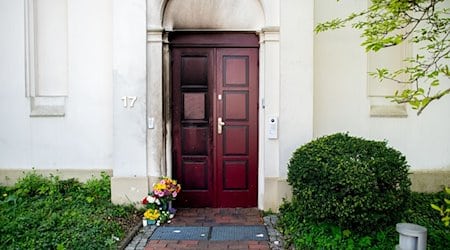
(220, 124)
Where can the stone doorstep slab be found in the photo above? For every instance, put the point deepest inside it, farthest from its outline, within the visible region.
(215, 233)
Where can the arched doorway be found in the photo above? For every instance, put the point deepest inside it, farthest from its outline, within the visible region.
(213, 88)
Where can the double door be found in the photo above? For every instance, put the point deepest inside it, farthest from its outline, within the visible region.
(214, 109)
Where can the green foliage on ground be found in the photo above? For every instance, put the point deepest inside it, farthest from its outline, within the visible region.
(444, 207)
(357, 184)
(308, 235)
(50, 213)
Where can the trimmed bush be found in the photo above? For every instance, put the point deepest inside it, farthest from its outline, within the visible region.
(354, 183)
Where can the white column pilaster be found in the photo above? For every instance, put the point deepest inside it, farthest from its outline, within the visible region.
(155, 141)
(269, 106)
(129, 182)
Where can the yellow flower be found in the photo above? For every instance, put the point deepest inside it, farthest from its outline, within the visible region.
(159, 186)
(151, 214)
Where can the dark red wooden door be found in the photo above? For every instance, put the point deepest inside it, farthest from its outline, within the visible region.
(215, 98)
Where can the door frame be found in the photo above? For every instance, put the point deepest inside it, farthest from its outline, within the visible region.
(207, 39)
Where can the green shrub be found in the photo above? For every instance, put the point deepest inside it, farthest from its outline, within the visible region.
(49, 213)
(354, 183)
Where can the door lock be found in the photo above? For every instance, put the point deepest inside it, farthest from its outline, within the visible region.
(220, 124)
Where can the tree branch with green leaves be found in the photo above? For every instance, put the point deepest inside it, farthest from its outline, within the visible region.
(423, 23)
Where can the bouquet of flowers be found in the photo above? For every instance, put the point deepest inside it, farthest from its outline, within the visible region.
(166, 189)
(152, 214)
(159, 202)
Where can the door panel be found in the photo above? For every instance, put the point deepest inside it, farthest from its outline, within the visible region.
(192, 76)
(216, 163)
(236, 153)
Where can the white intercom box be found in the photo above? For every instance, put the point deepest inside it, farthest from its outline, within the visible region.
(272, 127)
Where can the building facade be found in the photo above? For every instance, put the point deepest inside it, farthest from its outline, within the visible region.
(217, 94)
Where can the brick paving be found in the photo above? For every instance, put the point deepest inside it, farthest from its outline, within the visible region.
(210, 217)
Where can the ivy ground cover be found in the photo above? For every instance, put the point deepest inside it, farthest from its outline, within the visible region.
(50, 213)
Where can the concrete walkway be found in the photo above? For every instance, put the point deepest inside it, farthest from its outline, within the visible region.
(219, 219)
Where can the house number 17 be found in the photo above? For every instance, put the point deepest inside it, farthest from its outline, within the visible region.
(128, 101)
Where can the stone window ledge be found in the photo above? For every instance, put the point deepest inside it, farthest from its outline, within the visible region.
(49, 106)
(398, 111)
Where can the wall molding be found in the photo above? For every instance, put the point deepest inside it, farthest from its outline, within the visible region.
(48, 100)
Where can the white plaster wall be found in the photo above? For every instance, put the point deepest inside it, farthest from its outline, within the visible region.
(296, 78)
(271, 12)
(13, 106)
(82, 139)
(341, 103)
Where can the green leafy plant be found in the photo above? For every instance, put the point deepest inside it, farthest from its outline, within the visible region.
(419, 212)
(444, 209)
(49, 213)
(357, 184)
(320, 235)
(302, 234)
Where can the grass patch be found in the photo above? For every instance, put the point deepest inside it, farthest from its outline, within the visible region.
(49, 213)
(306, 235)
